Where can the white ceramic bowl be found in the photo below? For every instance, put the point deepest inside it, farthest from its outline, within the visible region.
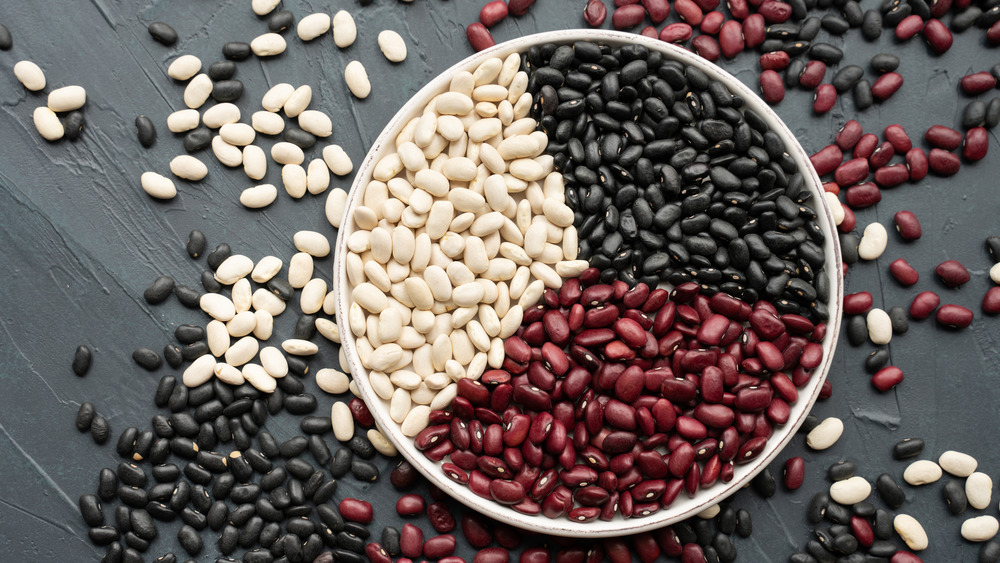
(683, 507)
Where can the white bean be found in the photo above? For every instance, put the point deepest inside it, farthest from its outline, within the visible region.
(312, 243)
(344, 29)
(298, 101)
(332, 381)
(268, 45)
(259, 197)
(157, 185)
(286, 153)
(49, 127)
(30, 75)
(958, 463)
(184, 67)
(233, 268)
(254, 162)
(188, 167)
(825, 434)
(273, 362)
(879, 326)
(980, 529)
(275, 98)
(68, 98)
(850, 491)
(979, 489)
(392, 45)
(911, 531)
(338, 160)
(183, 120)
(316, 122)
(257, 376)
(220, 114)
(356, 78)
(199, 372)
(312, 26)
(922, 472)
(198, 91)
(343, 421)
(873, 242)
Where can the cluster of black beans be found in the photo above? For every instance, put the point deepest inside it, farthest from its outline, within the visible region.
(208, 461)
(670, 180)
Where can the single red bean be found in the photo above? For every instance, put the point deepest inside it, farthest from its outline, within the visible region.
(688, 11)
(892, 175)
(772, 87)
(479, 37)
(976, 144)
(896, 135)
(493, 12)
(707, 5)
(903, 272)
(731, 39)
(794, 473)
(881, 155)
(952, 273)
(676, 33)
(848, 135)
(943, 137)
(993, 34)
(360, 412)
(439, 546)
(776, 60)
(887, 378)
(824, 98)
(863, 531)
(411, 541)
(907, 225)
(909, 27)
(740, 10)
(649, 31)
(657, 10)
(991, 301)
(377, 554)
(595, 13)
(492, 555)
(954, 316)
(857, 303)
(706, 47)
(440, 517)
(627, 16)
(410, 505)
(916, 162)
(943, 163)
(711, 24)
(827, 159)
(886, 85)
(812, 75)
(519, 7)
(924, 304)
(866, 145)
(754, 31)
(973, 84)
(863, 195)
(851, 172)
(937, 35)
(774, 11)
(356, 510)
(535, 555)
(507, 492)
(751, 449)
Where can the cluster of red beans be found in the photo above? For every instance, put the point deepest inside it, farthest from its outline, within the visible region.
(613, 400)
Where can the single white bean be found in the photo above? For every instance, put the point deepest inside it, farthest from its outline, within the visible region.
(879, 326)
(268, 45)
(51, 129)
(68, 98)
(850, 491)
(198, 91)
(825, 434)
(357, 81)
(259, 197)
(911, 531)
(183, 120)
(980, 529)
(979, 489)
(184, 67)
(392, 45)
(199, 372)
(298, 101)
(188, 167)
(344, 29)
(332, 381)
(922, 472)
(275, 98)
(30, 75)
(873, 242)
(312, 243)
(157, 185)
(313, 25)
(957, 463)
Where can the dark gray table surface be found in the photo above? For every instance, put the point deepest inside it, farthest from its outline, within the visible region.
(79, 242)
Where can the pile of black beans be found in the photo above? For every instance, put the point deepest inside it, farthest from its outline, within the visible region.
(672, 180)
(208, 461)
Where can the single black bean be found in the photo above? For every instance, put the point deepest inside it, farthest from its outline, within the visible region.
(877, 360)
(989, 552)
(165, 473)
(187, 333)
(133, 496)
(131, 474)
(103, 535)
(197, 139)
(992, 113)
(100, 429)
(884, 62)
(293, 447)
(305, 328)
(361, 447)
(280, 21)
(85, 416)
(319, 450)
(825, 52)
(6, 40)
(145, 131)
(837, 513)
(143, 525)
(364, 470)
(229, 539)
(216, 515)
(965, 19)
(222, 70)
(341, 463)
(227, 90)
(857, 330)
(219, 255)
(862, 94)
(81, 360)
(193, 351)
(890, 491)
(73, 124)
(90, 509)
(236, 51)
(864, 509)
(196, 244)
(900, 319)
(817, 507)
(162, 33)
(316, 424)
(974, 114)
(847, 77)
(147, 359)
(908, 448)
(842, 470)
(764, 484)
(955, 497)
(882, 524)
(188, 296)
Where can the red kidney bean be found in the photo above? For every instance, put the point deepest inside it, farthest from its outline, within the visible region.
(824, 99)
(439, 546)
(411, 541)
(595, 13)
(976, 144)
(896, 135)
(863, 195)
(887, 378)
(862, 530)
(937, 35)
(519, 7)
(657, 10)
(907, 225)
(851, 172)
(943, 137)
(507, 492)
(848, 135)
(954, 316)
(627, 16)
(924, 304)
(916, 162)
(706, 47)
(903, 272)
(881, 155)
(812, 75)
(479, 37)
(751, 449)
(356, 510)
(535, 555)
(676, 33)
(731, 39)
(892, 175)
(688, 11)
(410, 505)
(993, 34)
(649, 31)
(952, 273)
(977, 83)
(711, 24)
(827, 159)
(886, 85)
(943, 162)
(776, 60)
(909, 27)
(774, 11)
(991, 301)
(794, 473)
(493, 12)
(440, 517)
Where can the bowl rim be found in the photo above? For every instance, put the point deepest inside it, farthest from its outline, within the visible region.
(684, 507)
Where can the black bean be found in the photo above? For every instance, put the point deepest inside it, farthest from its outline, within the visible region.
(299, 137)
(131, 474)
(842, 470)
(793, 71)
(361, 447)
(847, 77)
(293, 447)
(236, 51)
(316, 424)
(882, 548)
(85, 416)
(100, 429)
(193, 351)
(884, 62)
(290, 386)
(825, 52)
(877, 360)
(184, 424)
(281, 288)
(364, 470)
(222, 70)
(187, 333)
(90, 509)
(200, 498)
(168, 558)
(142, 524)
(817, 507)
(73, 124)
(900, 320)
(219, 255)
(159, 452)
(764, 484)
(297, 366)
(227, 90)
(147, 359)
(133, 496)
(250, 532)
(908, 448)
(81, 360)
(341, 464)
(280, 21)
(216, 515)
(305, 328)
(188, 296)
(882, 524)
(173, 356)
(889, 491)
(145, 131)
(166, 473)
(955, 497)
(123, 518)
(162, 33)
(992, 113)
(857, 330)
(319, 450)
(196, 244)
(837, 513)
(197, 139)
(974, 114)
(103, 535)
(862, 95)
(989, 552)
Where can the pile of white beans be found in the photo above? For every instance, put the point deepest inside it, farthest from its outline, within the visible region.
(460, 230)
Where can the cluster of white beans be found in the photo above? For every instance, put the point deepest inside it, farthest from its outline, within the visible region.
(60, 100)
(233, 145)
(459, 231)
(243, 323)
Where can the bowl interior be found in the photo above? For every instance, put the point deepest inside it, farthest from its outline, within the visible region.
(683, 507)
